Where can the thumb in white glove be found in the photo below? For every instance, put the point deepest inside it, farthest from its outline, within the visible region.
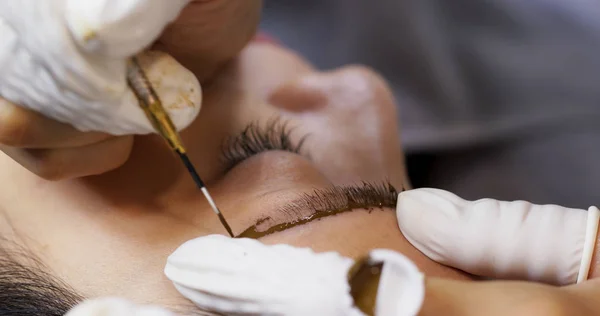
(245, 276)
(119, 28)
(67, 60)
(509, 240)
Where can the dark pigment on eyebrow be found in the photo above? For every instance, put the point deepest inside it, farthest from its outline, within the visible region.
(330, 202)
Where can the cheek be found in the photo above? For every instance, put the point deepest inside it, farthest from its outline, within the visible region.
(352, 235)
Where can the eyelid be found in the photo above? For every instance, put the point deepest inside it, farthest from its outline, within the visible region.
(256, 139)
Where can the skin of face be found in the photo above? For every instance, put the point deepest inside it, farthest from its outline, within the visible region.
(110, 235)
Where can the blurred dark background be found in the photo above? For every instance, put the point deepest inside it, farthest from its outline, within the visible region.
(498, 98)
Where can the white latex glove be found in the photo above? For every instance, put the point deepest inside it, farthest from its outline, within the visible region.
(506, 240)
(401, 289)
(115, 307)
(245, 276)
(67, 60)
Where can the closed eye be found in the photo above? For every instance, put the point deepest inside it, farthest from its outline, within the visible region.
(256, 139)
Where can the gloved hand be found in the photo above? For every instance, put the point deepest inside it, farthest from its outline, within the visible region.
(505, 240)
(224, 279)
(246, 277)
(516, 240)
(63, 84)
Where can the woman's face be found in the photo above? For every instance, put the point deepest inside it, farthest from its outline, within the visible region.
(110, 235)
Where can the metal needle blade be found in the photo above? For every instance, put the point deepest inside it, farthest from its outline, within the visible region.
(200, 184)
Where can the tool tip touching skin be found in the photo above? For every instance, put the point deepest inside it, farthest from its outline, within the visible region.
(152, 106)
(192, 171)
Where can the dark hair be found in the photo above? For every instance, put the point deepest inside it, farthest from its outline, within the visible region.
(27, 289)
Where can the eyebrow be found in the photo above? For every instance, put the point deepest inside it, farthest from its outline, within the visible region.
(324, 203)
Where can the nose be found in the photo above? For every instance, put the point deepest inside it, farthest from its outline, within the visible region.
(353, 112)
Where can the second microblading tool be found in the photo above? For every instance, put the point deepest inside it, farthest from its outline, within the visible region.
(160, 120)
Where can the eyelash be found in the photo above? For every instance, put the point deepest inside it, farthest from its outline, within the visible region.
(256, 139)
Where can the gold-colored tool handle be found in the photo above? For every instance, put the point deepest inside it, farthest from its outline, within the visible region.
(160, 120)
(152, 106)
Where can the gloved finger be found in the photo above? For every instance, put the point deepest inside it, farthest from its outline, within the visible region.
(74, 162)
(506, 240)
(23, 128)
(100, 27)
